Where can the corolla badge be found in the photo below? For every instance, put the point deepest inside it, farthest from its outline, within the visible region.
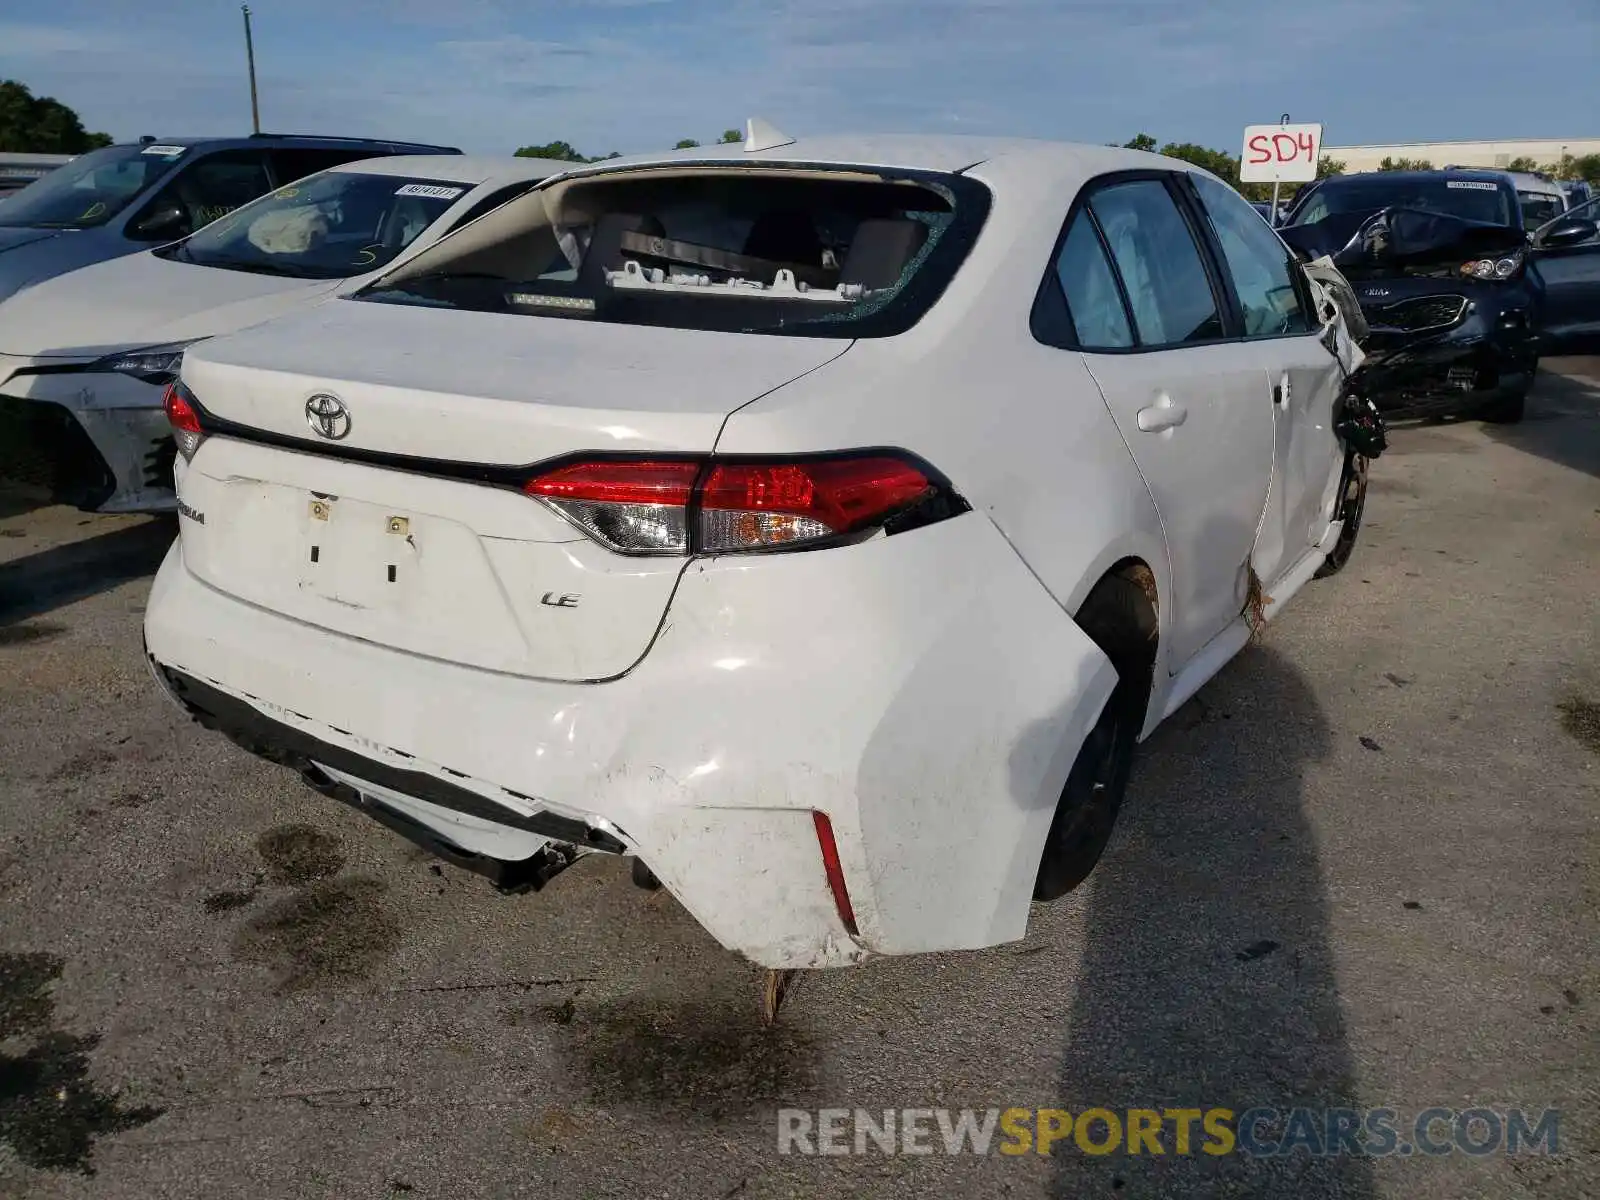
(327, 416)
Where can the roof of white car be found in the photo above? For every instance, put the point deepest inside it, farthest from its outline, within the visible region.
(458, 168)
(1528, 182)
(943, 153)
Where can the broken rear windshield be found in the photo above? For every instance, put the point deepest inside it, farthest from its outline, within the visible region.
(791, 250)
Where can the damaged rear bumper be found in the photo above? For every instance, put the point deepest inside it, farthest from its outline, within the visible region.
(929, 701)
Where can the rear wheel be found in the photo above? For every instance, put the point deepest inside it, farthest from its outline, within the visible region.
(1120, 618)
(1351, 506)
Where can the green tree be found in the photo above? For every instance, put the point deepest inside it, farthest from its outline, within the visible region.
(565, 151)
(1587, 167)
(1405, 164)
(1140, 141)
(686, 144)
(32, 124)
(1328, 167)
(1524, 163)
(729, 136)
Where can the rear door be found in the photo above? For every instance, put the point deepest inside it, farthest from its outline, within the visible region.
(1571, 274)
(1302, 376)
(1193, 407)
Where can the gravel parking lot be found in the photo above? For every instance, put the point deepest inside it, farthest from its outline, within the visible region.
(1361, 868)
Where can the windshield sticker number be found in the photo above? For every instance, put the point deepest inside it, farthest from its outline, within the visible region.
(431, 191)
(1472, 185)
(164, 151)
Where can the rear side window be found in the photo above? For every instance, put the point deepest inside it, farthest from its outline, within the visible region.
(1257, 260)
(290, 165)
(1160, 265)
(1094, 306)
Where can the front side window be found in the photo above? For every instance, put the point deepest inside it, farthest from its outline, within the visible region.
(92, 188)
(1159, 262)
(1257, 260)
(202, 192)
(807, 251)
(330, 226)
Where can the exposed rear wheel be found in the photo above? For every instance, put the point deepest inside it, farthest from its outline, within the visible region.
(1121, 620)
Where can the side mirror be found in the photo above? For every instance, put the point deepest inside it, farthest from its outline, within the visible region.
(1567, 231)
(165, 221)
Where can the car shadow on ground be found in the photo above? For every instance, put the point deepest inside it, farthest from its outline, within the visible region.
(1207, 979)
(40, 583)
(1563, 421)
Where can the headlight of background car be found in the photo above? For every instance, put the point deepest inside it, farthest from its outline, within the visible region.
(152, 364)
(1494, 268)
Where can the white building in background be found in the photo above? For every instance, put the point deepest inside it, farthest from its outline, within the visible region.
(1463, 154)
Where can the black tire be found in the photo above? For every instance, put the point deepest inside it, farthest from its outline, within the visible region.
(1120, 620)
(1507, 409)
(1351, 507)
(1509, 406)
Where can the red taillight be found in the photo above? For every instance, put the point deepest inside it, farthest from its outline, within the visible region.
(834, 871)
(179, 411)
(184, 418)
(621, 482)
(644, 506)
(747, 506)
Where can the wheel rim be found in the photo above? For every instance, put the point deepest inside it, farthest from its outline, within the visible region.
(1351, 506)
(1088, 801)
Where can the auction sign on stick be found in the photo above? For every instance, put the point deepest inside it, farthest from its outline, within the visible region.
(1278, 154)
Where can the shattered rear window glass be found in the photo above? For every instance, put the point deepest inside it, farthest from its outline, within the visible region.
(806, 251)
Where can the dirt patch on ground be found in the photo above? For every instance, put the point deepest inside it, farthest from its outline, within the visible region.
(331, 932)
(50, 1111)
(1580, 717)
(297, 854)
(699, 1059)
(22, 635)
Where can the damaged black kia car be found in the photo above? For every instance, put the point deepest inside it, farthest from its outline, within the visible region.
(1449, 281)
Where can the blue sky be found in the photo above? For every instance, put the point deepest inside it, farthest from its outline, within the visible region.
(636, 75)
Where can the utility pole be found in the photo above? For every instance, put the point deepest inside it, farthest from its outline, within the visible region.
(250, 56)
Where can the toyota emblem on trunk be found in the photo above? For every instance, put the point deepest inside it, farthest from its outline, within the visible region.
(327, 416)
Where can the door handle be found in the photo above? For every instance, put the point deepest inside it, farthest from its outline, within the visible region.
(1162, 415)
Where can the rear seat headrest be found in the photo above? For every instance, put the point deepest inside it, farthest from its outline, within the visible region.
(880, 251)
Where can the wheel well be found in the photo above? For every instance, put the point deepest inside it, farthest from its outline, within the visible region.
(1121, 615)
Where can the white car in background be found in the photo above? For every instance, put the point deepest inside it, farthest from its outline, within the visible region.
(86, 357)
(820, 524)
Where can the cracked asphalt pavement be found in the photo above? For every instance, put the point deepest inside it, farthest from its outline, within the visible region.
(1361, 868)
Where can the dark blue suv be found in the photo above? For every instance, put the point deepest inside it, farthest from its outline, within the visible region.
(124, 199)
(1458, 293)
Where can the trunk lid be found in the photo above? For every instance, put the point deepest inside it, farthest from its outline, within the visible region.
(492, 388)
(406, 554)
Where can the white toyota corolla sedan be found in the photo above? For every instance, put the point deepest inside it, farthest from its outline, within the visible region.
(85, 357)
(819, 523)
